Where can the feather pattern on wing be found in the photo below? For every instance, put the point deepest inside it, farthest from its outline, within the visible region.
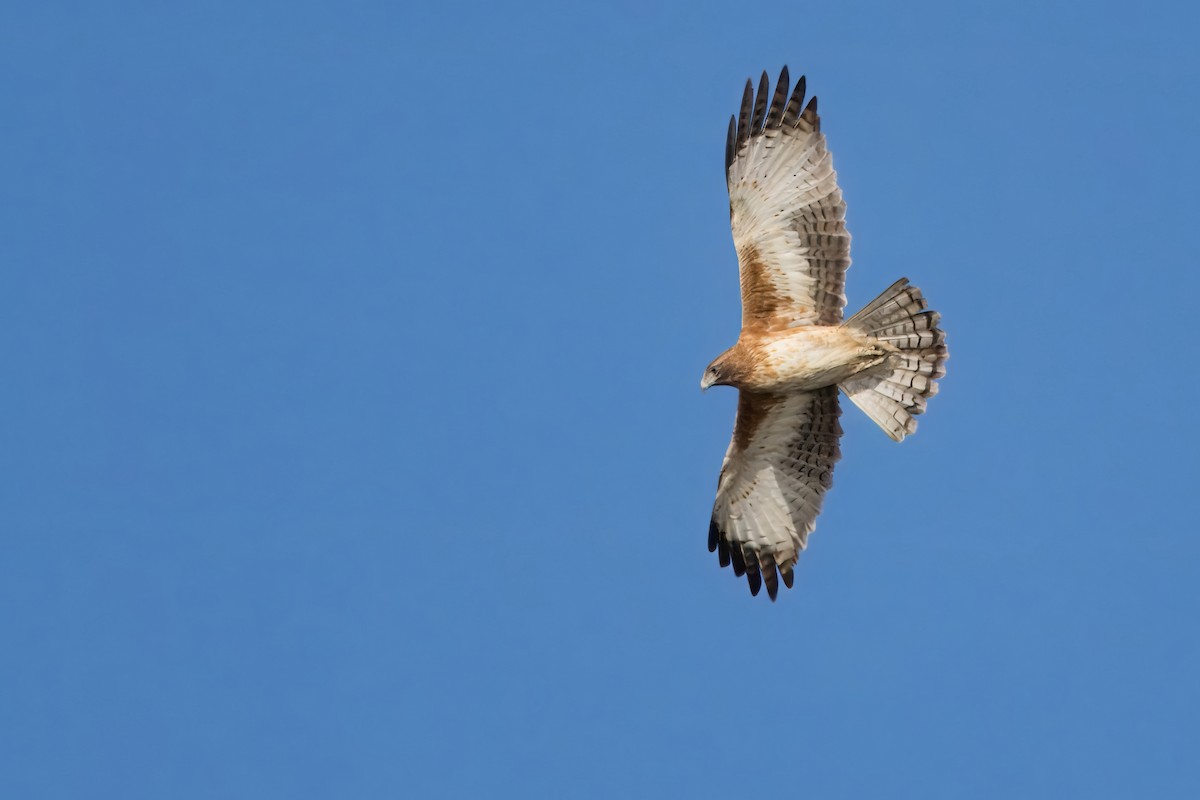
(776, 472)
(786, 211)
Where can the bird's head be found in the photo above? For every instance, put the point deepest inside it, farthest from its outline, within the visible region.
(717, 373)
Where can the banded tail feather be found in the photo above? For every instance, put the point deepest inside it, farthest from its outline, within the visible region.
(893, 394)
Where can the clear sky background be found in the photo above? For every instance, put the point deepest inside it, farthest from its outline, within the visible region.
(350, 435)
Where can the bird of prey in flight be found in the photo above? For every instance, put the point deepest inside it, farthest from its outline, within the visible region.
(795, 351)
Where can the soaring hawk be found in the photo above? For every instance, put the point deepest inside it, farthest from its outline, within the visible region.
(794, 351)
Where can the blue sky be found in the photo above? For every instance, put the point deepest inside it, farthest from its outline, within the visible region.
(351, 443)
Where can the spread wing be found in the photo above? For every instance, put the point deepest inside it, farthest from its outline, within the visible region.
(776, 472)
(788, 218)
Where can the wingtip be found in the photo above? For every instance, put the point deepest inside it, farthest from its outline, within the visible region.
(810, 114)
(755, 581)
(760, 105)
(737, 561)
(730, 144)
(771, 578)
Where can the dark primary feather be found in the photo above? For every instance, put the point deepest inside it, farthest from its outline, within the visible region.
(775, 115)
(743, 133)
(760, 105)
(730, 144)
(770, 578)
(754, 578)
(788, 575)
(738, 560)
(792, 112)
(809, 115)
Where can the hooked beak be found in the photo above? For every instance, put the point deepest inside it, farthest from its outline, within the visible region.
(706, 381)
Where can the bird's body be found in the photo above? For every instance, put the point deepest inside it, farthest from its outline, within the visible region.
(795, 352)
(804, 358)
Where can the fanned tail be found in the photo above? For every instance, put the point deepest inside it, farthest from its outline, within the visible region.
(893, 394)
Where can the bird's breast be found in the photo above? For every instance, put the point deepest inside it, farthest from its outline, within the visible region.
(810, 357)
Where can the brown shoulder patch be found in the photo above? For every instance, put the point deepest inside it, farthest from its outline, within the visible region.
(761, 301)
(752, 410)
